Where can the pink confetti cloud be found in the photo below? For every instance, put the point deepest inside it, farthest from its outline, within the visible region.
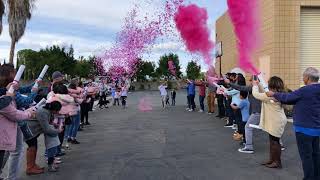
(135, 38)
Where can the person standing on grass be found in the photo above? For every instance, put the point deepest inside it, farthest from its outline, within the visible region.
(163, 92)
(306, 121)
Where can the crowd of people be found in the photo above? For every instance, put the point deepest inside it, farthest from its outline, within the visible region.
(245, 105)
(58, 112)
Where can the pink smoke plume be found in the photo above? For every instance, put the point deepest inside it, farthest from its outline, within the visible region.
(245, 18)
(191, 21)
(145, 104)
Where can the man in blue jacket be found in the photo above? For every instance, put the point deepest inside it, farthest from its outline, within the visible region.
(191, 94)
(306, 121)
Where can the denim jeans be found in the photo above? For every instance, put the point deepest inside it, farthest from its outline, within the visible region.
(15, 158)
(192, 104)
(309, 152)
(52, 152)
(255, 120)
(201, 101)
(73, 129)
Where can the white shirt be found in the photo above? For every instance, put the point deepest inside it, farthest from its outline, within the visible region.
(163, 91)
(124, 92)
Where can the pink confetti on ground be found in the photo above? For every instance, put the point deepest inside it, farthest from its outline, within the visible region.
(191, 21)
(245, 18)
(145, 104)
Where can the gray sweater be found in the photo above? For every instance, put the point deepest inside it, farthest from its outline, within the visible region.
(255, 104)
(50, 133)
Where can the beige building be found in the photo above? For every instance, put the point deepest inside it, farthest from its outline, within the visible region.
(291, 39)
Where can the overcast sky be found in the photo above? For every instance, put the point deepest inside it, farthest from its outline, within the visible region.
(91, 26)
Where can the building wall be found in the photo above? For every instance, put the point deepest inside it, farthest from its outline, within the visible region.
(280, 44)
(286, 62)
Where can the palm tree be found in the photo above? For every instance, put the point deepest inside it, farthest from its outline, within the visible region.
(19, 14)
(2, 7)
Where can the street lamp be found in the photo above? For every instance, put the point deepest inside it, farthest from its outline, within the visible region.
(219, 54)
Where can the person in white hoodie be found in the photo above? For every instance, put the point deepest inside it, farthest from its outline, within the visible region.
(163, 92)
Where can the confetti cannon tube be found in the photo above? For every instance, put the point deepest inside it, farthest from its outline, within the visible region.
(263, 82)
(43, 72)
(17, 77)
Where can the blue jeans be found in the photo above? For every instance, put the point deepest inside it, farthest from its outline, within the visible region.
(52, 152)
(16, 157)
(73, 129)
(309, 152)
(201, 101)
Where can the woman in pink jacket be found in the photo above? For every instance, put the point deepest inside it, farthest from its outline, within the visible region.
(60, 93)
(9, 115)
(77, 93)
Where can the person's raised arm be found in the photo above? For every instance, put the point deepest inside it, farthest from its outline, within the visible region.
(241, 88)
(260, 96)
(287, 98)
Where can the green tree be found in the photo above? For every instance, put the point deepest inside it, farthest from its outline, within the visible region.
(163, 69)
(19, 14)
(193, 70)
(145, 68)
(58, 59)
(83, 68)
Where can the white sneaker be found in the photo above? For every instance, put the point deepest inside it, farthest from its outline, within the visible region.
(190, 110)
(187, 109)
(246, 150)
(200, 111)
(234, 127)
(57, 161)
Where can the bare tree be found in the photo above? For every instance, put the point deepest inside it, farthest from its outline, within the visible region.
(19, 14)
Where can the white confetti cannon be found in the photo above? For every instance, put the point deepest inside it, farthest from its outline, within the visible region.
(43, 72)
(42, 102)
(263, 82)
(17, 77)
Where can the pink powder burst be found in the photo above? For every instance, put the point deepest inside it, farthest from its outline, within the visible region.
(245, 18)
(191, 21)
